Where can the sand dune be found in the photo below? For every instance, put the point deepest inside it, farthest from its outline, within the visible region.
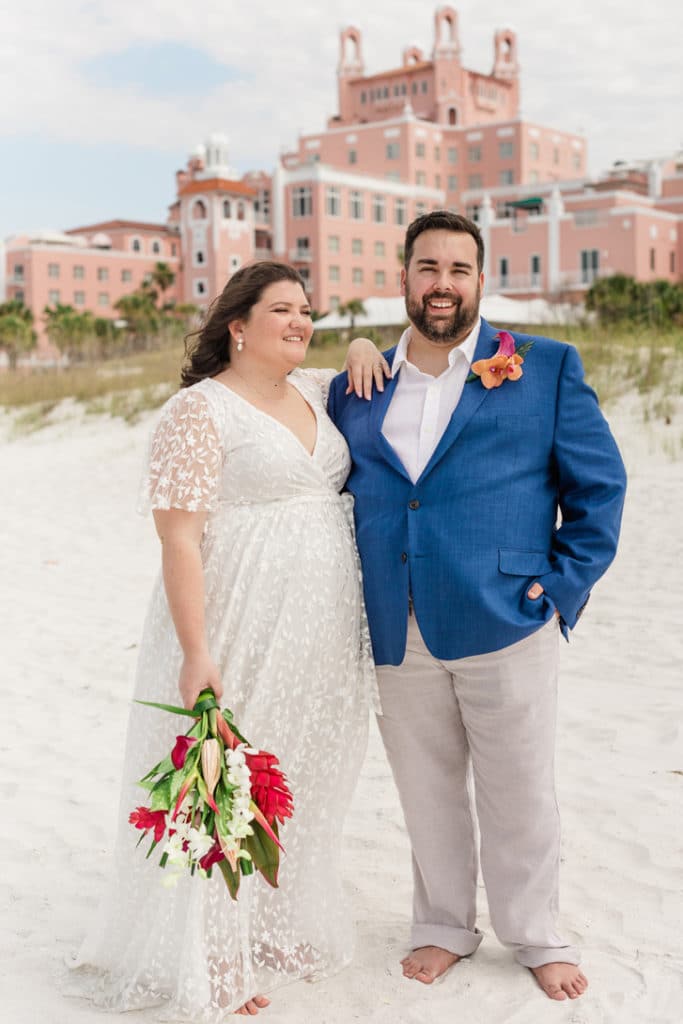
(78, 564)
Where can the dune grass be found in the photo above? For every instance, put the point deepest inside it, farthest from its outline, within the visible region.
(615, 360)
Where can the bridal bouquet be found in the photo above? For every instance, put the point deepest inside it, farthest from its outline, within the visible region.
(214, 800)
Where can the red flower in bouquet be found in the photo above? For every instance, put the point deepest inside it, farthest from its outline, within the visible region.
(145, 819)
(269, 787)
(180, 750)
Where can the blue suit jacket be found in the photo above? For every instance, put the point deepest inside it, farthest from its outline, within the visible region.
(525, 484)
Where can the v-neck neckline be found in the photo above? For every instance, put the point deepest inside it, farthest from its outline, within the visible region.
(274, 419)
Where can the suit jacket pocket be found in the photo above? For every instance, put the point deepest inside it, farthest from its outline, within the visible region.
(514, 562)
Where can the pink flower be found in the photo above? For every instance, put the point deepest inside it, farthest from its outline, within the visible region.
(505, 365)
(214, 855)
(179, 752)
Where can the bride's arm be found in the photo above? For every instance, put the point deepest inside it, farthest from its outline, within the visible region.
(180, 533)
(365, 365)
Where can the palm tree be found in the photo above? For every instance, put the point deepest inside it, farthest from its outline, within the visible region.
(352, 309)
(69, 329)
(163, 277)
(140, 314)
(16, 330)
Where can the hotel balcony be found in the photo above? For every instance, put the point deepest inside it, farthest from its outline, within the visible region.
(300, 256)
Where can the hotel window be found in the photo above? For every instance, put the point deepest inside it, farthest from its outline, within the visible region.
(503, 271)
(334, 302)
(199, 288)
(472, 211)
(419, 149)
(226, 209)
(136, 245)
(533, 151)
(506, 177)
(333, 243)
(198, 258)
(18, 271)
(420, 209)
(474, 154)
(576, 161)
(241, 211)
(380, 251)
(357, 246)
(333, 273)
(126, 275)
(79, 272)
(672, 262)
(452, 155)
(333, 201)
(556, 155)
(18, 294)
(533, 177)
(380, 279)
(357, 275)
(102, 274)
(506, 150)
(590, 265)
(53, 296)
(156, 248)
(400, 212)
(420, 178)
(363, 97)
(474, 181)
(303, 248)
(174, 249)
(424, 86)
(437, 153)
(414, 90)
(302, 201)
(235, 263)
(79, 298)
(378, 209)
(452, 183)
(355, 205)
(52, 269)
(535, 271)
(103, 299)
(437, 181)
(353, 156)
(653, 259)
(393, 150)
(199, 210)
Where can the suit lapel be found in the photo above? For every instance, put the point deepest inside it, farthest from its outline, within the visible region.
(473, 395)
(378, 410)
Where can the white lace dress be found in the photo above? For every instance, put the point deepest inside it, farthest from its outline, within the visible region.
(285, 625)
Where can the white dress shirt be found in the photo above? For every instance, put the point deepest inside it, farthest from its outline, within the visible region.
(421, 405)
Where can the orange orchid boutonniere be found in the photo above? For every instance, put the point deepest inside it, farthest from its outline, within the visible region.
(505, 365)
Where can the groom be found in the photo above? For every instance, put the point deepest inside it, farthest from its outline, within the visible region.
(488, 495)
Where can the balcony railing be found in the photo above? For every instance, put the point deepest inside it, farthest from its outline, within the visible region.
(300, 256)
(515, 282)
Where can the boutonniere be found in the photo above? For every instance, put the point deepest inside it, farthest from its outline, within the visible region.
(505, 365)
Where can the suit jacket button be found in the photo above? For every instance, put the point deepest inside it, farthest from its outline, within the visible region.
(413, 504)
(404, 557)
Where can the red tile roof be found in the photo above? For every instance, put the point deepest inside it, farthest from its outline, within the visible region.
(216, 185)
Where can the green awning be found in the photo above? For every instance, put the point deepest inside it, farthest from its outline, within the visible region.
(532, 203)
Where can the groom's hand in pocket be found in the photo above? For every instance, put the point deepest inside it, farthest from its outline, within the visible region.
(535, 591)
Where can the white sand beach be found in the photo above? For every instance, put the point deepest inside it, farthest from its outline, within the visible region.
(77, 568)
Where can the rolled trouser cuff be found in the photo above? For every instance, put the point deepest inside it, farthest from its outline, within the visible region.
(460, 941)
(537, 956)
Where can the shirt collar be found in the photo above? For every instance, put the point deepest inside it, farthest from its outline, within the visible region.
(467, 348)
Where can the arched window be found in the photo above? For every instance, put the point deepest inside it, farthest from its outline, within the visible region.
(156, 247)
(226, 208)
(240, 211)
(452, 115)
(199, 210)
(136, 245)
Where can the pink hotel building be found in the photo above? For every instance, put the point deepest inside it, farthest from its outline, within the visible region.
(428, 134)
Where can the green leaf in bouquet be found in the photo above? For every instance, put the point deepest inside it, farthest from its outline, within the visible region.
(264, 852)
(204, 793)
(159, 769)
(161, 795)
(168, 707)
(232, 878)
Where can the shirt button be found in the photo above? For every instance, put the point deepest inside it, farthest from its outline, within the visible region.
(413, 504)
(404, 557)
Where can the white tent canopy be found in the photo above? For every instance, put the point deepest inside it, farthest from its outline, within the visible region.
(381, 312)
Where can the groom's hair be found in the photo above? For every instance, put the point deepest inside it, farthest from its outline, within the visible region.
(443, 220)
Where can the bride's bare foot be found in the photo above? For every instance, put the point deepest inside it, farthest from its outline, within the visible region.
(428, 963)
(560, 980)
(252, 1006)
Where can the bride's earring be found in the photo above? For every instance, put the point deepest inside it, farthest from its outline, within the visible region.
(240, 343)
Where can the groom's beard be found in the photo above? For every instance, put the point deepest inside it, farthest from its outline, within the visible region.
(443, 329)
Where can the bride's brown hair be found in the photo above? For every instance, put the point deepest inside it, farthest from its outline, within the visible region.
(207, 351)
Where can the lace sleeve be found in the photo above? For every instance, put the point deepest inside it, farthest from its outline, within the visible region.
(321, 378)
(184, 458)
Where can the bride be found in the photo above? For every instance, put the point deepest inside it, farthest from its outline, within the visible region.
(259, 599)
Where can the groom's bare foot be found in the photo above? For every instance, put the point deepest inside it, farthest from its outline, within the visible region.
(252, 1006)
(428, 963)
(560, 980)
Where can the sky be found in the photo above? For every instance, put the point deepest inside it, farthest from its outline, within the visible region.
(100, 102)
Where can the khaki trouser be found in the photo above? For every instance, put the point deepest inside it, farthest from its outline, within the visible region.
(495, 712)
